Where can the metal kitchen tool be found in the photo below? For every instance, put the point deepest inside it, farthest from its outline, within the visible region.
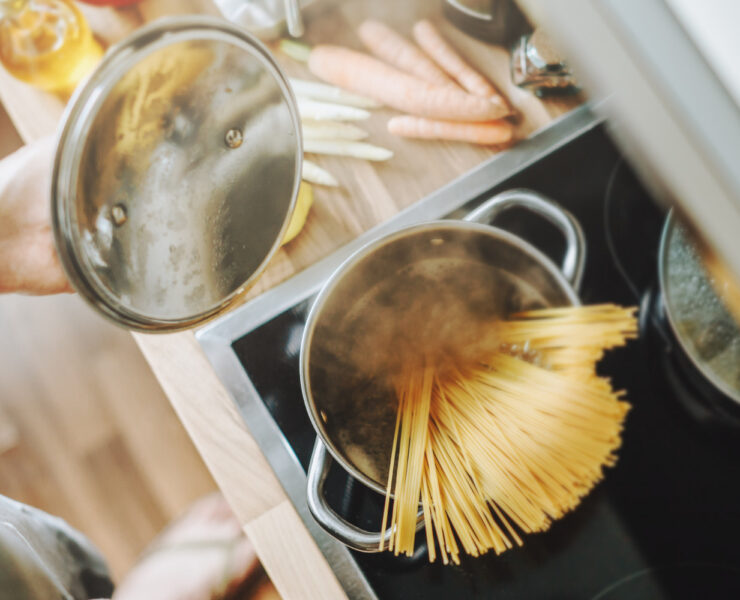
(293, 18)
(270, 19)
(537, 65)
(468, 272)
(176, 173)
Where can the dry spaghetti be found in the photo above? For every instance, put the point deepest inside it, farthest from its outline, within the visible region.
(504, 446)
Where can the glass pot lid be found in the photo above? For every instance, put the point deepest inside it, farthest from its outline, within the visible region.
(176, 172)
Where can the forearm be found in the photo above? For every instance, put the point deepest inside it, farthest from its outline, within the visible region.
(28, 259)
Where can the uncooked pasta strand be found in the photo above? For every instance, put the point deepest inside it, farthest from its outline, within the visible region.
(511, 442)
(391, 473)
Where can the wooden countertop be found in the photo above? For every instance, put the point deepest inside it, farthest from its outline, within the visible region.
(369, 194)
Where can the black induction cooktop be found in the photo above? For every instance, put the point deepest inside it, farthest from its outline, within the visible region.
(664, 523)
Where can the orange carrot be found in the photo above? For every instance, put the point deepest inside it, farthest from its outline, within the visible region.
(486, 134)
(432, 42)
(363, 74)
(396, 50)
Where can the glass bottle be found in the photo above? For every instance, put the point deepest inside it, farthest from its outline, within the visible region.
(46, 43)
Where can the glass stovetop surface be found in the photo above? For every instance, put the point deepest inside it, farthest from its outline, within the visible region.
(664, 523)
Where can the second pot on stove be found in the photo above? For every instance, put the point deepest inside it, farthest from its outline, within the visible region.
(702, 338)
(394, 296)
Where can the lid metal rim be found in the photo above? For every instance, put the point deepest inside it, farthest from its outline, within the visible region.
(77, 119)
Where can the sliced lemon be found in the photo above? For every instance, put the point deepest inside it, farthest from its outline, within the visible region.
(300, 213)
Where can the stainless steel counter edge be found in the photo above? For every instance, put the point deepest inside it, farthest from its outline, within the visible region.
(216, 337)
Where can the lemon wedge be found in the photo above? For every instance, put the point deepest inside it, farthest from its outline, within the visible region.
(300, 212)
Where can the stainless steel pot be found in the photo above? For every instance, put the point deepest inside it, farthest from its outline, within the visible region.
(707, 333)
(385, 301)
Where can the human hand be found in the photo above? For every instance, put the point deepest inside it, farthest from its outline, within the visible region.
(199, 557)
(28, 259)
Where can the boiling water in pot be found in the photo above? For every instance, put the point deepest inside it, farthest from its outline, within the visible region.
(440, 308)
(704, 323)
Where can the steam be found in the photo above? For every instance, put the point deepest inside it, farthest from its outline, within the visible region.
(431, 299)
(433, 311)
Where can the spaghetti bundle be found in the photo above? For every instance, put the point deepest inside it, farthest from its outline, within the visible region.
(505, 445)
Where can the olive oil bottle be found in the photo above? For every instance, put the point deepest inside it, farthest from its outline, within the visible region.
(46, 43)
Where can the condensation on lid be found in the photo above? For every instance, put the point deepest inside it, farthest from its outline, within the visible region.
(176, 173)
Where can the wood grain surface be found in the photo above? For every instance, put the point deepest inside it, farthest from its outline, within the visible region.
(369, 194)
(85, 430)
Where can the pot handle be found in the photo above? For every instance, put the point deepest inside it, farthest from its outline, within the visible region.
(575, 252)
(347, 533)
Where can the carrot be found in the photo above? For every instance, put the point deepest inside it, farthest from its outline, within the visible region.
(396, 50)
(363, 74)
(493, 132)
(432, 42)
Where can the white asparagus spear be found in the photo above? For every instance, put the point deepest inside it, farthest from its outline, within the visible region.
(325, 111)
(331, 130)
(313, 173)
(330, 93)
(346, 148)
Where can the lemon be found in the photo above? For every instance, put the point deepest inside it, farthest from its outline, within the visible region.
(300, 212)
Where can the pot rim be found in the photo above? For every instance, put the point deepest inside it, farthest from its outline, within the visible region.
(709, 374)
(354, 259)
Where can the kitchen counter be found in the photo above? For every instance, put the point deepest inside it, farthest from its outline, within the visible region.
(369, 194)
